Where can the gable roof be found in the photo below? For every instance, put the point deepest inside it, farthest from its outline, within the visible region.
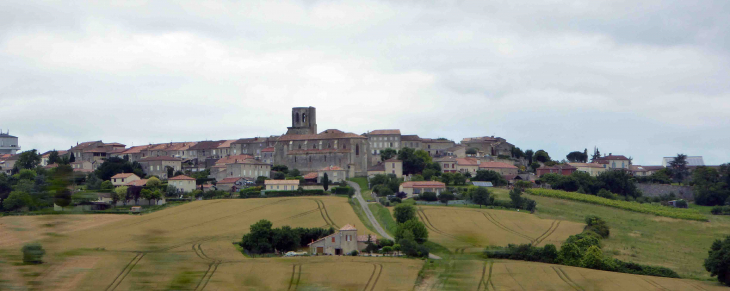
(207, 145)
(123, 175)
(385, 131)
(586, 165)
(268, 150)
(226, 143)
(138, 183)
(281, 182)
(181, 177)
(612, 158)
(251, 140)
(233, 159)
(312, 175)
(410, 137)
(467, 162)
(380, 167)
(161, 158)
(230, 180)
(348, 227)
(393, 160)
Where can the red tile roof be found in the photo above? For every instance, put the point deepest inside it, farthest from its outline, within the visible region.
(230, 180)
(252, 140)
(226, 143)
(348, 227)
(332, 168)
(380, 167)
(207, 145)
(162, 158)
(423, 184)
(123, 175)
(385, 131)
(281, 182)
(496, 165)
(138, 183)
(312, 175)
(268, 150)
(393, 160)
(586, 165)
(364, 238)
(466, 162)
(233, 159)
(181, 177)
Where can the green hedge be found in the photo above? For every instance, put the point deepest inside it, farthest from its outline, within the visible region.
(689, 214)
(272, 193)
(343, 190)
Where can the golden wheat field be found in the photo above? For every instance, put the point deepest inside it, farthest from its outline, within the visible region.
(473, 229)
(189, 247)
(519, 275)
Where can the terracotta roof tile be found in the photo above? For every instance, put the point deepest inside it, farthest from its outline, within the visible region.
(207, 145)
(162, 158)
(364, 238)
(612, 158)
(466, 162)
(181, 177)
(586, 165)
(327, 134)
(123, 175)
(226, 144)
(230, 180)
(281, 182)
(312, 175)
(138, 183)
(423, 184)
(348, 227)
(233, 159)
(411, 137)
(385, 131)
(268, 150)
(380, 167)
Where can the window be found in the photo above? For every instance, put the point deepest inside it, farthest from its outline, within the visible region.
(333, 239)
(357, 149)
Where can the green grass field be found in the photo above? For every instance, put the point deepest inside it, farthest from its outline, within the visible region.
(363, 182)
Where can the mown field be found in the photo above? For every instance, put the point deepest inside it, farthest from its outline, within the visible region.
(472, 229)
(519, 275)
(190, 247)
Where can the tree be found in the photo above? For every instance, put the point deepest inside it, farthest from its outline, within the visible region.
(72, 158)
(121, 193)
(153, 183)
(404, 212)
(471, 151)
(490, 176)
(542, 156)
(116, 197)
(325, 182)
(147, 194)
(415, 227)
(459, 178)
(93, 182)
(285, 239)
(577, 157)
(260, 180)
(170, 171)
(718, 260)
(388, 153)
(62, 198)
(534, 166)
(278, 176)
(710, 188)
(529, 154)
(106, 185)
(679, 168)
(569, 254)
(114, 165)
(28, 160)
(429, 174)
(619, 182)
(517, 153)
(593, 258)
(516, 196)
(480, 196)
(258, 240)
(17, 200)
(33, 253)
(54, 158)
(596, 154)
(294, 173)
(446, 196)
(280, 168)
(387, 250)
(414, 161)
(428, 196)
(447, 178)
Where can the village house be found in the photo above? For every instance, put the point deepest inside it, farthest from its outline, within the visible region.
(343, 242)
(410, 141)
(334, 173)
(231, 184)
(458, 151)
(225, 149)
(8, 144)
(157, 166)
(644, 171)
(47, 155)
(467, 165)
(7, 162)
(591, 168)
(503, 169)
(560, 169)
(281, 185)
(436, 147)
(412, 188)
(448, 164)
(253, 146)
(81, 165)
(248, 168)
(494, 146)
(205, 150)
(382, 139)
(123, 178)
(182, 183)
(137, 183)
(378, 169)
(394, 166)
(267, 155)
(135, 153)
(613, 162)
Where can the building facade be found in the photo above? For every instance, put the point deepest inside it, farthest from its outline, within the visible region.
(157, 166)
(8, 144)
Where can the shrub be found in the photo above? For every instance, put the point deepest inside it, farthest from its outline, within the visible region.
(597, 225)
(605, 194)
(718, 260)
(106, 185)
(689, 214)
(354, 253)
(428, 196)
(413, 227)
(404, 212)
(720, 210)
(33, 253)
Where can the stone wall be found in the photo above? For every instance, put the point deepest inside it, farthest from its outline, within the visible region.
(653, 190)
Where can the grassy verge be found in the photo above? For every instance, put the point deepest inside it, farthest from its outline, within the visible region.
(363, 182)
(360, 214)
(680, 245)
(384, 217)
(690, 214)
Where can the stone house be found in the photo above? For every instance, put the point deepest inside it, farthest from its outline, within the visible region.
(411, 141)
(78, 150)
(182, 183)
(382, 139)
(45, 156)
(592, 169)
(458, 151)
(436, 147)
(253, 146)
(7, 162)
(448, 164)
(342, 242)
(494, 146)
(412, 188)
(136, 153)
(281, 185)
(503, 169)
(334, 174)
(157, 166)
(394, 166)
(81, 165)
(248, 168)
(225, 149)
(376, 170)
(267, 155)
(137, 183)
(561, 169)
(467, 165)
(123, 178)
(613, 162)
(231, 184)
(205, 150)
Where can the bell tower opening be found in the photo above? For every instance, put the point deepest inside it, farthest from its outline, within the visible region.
(304, 121)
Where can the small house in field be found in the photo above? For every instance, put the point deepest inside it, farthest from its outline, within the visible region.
(412, 188)
(182, 183)
(281, 185)
(123, 178)
(342, 242)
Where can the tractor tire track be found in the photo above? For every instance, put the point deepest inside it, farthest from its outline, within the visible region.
(655, 284)
(127, 269)
(546, 231)
(540, 240)
(505, 228)
(328, 219)
(567, 279)
(299, 215)
(293, 272)
(481, 280)
(377, 268)
(207, 276)
(513, 278)
(429, 225)
(234, 214)
(380, 271)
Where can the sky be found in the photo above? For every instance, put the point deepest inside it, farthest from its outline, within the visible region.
(644, 79)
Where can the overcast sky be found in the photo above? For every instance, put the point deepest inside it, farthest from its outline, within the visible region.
(645, 79)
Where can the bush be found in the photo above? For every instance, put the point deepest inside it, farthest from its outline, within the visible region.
(720, 210)
(106, 185)
(718, 260)
(605, 194)
(524, 252)
(33, 253)
(597, 225)
(428, 196)
(414, 228)
(404, 212)
(689, 214)
(349, 191)
(354, 253)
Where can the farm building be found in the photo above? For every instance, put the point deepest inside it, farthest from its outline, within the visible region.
(281, 185)
(563, 169)
(123, 178)
(231, 184)
(417, 187)
(342, 242)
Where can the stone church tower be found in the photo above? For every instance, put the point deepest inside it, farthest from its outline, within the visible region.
(303, 121)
